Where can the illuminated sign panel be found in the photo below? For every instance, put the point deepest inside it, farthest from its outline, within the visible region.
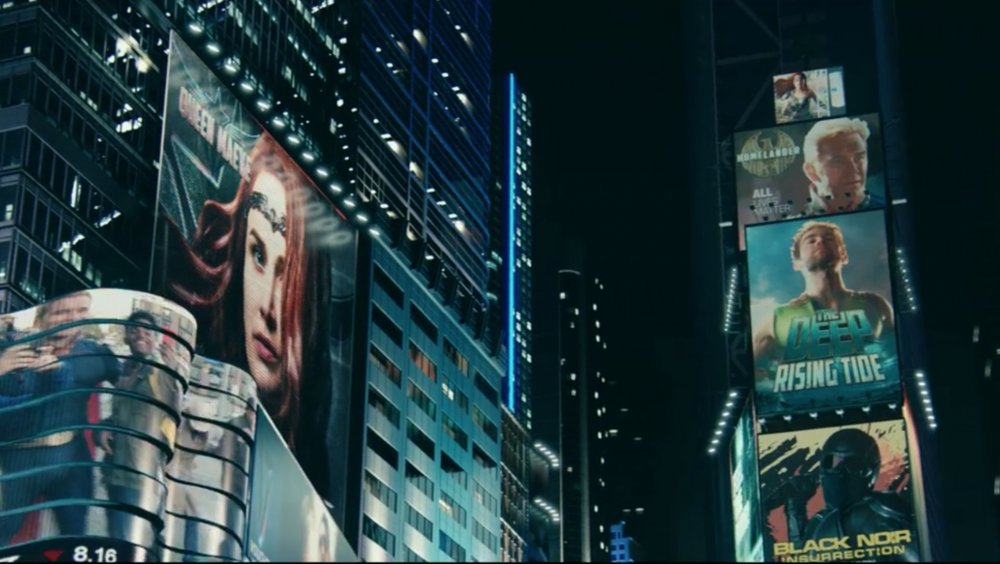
(824, 332)
(809, 169)
(748, 537)
(266, 264)
(808, 95)
(838, 494)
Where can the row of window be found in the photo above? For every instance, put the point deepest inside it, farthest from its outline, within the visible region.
(484, 423)
(422, 524)
(387, 366)
(484, 536)
(422, 400)
(382, 405)
(450, 547)
(380, 491)
(451, 507)
(379, 535)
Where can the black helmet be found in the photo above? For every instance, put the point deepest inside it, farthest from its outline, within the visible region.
(849, 466)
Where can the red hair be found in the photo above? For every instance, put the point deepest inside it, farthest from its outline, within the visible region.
(214, 282)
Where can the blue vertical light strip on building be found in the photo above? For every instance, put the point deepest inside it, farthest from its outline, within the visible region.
(511, 357)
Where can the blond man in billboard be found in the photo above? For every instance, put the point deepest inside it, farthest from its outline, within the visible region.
(836, 163)
(818, 252)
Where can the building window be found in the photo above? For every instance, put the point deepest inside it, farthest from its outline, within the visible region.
(383, 280)
(380, 491)
(454, 431)
(484, 536)
(423, 323)
(382, 448)
(450, 547)
(423, 362)
(452, 508)
(482, 459)
(380, 404)
(488, 391)
(380, 536)
(457, 358)
(422, 524)
(387, 326)
(419, 438)
(484, 423)
(454, 470)
(418, 397)
(387, 366)
(419, 480)
(410, 556)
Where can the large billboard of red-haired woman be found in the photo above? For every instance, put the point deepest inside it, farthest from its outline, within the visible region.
(249, 244)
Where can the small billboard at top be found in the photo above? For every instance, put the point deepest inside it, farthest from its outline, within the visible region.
(808, 169)
(806, 95)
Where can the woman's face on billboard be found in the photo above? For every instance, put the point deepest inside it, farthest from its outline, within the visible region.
(264, 280)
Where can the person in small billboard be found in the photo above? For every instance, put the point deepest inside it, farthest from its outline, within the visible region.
(140, 377)
(250, 271)
(850, 464)
(819, 253)
(799, 102)
(836, 165)
(62, 361)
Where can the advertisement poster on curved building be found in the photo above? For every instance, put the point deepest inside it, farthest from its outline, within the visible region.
(91, 394)
(249, 244)
(838, 494)
(809, 169)
(808, 95)
(747, 535)
(824, 333)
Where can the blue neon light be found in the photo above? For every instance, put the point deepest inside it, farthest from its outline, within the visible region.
(510, 250)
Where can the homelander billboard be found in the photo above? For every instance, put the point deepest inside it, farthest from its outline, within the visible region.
(838, 493)
(252, 248)
(824, 332)
(809, 169)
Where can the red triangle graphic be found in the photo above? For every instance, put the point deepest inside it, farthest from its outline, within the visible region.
(52, 555)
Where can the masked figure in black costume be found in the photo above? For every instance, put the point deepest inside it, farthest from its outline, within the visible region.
(848, 469)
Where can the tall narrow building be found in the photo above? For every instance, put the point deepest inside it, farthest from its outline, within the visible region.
(510, 284)
(583, 382)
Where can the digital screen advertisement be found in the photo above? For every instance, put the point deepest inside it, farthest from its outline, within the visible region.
(748, 538)
(807, 95)
(824, 331)
(288, 520)
(838, 494)
(91, 387)
(248, 243)
(809, 169)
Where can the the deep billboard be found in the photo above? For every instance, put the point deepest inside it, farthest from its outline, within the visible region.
(748, 540)
(265, 263)
(823, 325)
(808, 95)
(838, 494)
(809, 169)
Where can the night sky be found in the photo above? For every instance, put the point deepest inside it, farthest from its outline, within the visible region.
(610, 171)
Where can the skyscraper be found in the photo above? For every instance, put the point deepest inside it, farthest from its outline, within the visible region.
(511, 276)
(587, 512)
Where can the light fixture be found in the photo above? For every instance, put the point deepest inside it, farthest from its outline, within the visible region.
(322, 172)
(362, 218)
(264, 105)
(374, 232)
(308, 156)
(294, 140)
(213, 48)
(336, 188)
(246, 86)
(196, 28)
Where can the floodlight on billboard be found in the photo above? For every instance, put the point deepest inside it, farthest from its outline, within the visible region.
(824, 332)
(808, 169)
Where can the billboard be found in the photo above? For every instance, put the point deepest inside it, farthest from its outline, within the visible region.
(249, 245)
(748, 539)
(838, 494)
(823, 327)
(809, 169)
(807, 95)
(288, 521)
(91, 386)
